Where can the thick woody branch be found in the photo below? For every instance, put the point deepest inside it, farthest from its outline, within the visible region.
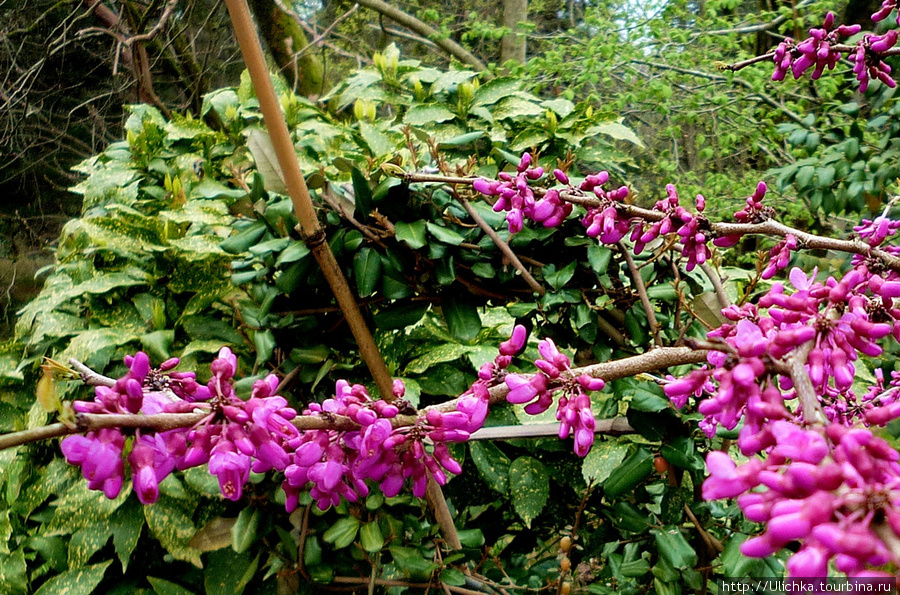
(425, 30)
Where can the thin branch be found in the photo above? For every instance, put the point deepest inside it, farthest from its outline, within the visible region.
(713, 275)
(612, 427)
(90, 377)
(503, 246)
(642, 293)
(88, 422)
(152, 33)
(327, 31)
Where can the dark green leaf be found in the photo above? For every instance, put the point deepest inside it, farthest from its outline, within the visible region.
(492, 464)
(362, 194)
(367, 271)
(411, 233)
(598, 257)
(245, 530)
(672, 545)
(462, 318)
(630, 473)
(448, 236)
(164, 587)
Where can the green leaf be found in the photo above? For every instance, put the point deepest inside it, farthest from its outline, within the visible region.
(266, 159)
(227, 572)
(453, 577)
(529, 486)
(378, 142)
(462, 318)
(494, 90)
(516, 108)
(164, 587)
(400, 316)
(367, 271)
(411, 562)
(561, 107)
(174, 528)
(86, 542)
(648, 397)
(342, 533)
(245, 530)
(471, 537)
(264, 341)
(598, 258)
(126, 525)
(13, 573)
(492, 464)
(420, 115)
(370, 537)
(600, 462)
(210, 189)
(558, 278)
(411, 233)
(448, 236)
(629, 474)
(75, 582)
(442, 353)
(462, 139)
(672, 545)
(617, 130)
(362, 194)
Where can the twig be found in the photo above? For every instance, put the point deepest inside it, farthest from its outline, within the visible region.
(715, 546)
(611, 427)
(503, 246)
(90, 377)
(438, 504)
(716, 281)
(806, 394)
(328, 29)
(152, 33)
(642, 293)
(87, 422)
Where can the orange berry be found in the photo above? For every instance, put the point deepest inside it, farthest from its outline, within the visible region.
(660, 464)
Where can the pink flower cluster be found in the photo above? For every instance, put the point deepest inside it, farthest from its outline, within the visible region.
(837, 491)
(234, 438)
(573, 408)
(886, 8)
(815, 51)
(336, 464)
(868, 59)
(517, 197)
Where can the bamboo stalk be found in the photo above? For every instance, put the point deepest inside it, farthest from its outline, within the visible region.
(312, 232)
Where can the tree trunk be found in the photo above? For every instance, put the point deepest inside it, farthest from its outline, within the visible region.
(512, 47)
(284, 37)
